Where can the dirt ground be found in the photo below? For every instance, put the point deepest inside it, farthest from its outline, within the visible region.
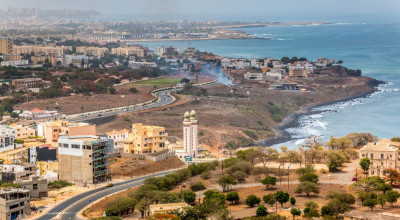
(128, 167)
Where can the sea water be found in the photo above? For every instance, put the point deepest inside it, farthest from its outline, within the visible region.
(372, 47)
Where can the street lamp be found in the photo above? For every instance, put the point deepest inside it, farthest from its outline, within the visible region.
(280, 176)
(183, 186)
(288, 176)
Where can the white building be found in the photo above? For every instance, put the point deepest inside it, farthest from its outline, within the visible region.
(39, 114)
(7, 137)
(302, 65)
(118, 138)
(75, 60)
(15, 63)
(166, 50)
(253, 76)
(274, 74)
(190, 136)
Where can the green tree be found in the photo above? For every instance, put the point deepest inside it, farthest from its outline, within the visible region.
(189, 197)
(133, 90)
(295, 212)
(197, 186)
(269, 181)
(226, 181)
(369, 184)
(270, 199)
(307, 187)
(112, 90)
(292, 201)
(282, 197)
(365, 163)
(392, 196)
(240, 176)
(371, 203)
(310, 177)
(233, 197)
(252, 200)
(382, 200)
(335, 160)
(261, 211)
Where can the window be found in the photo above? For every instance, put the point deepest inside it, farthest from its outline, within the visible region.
(372, 156)
(390, 156)
(363, 155)
(382, 157)
(76, 146)
(60, 145)
(66, 145)
(90, 163)
(35, 186)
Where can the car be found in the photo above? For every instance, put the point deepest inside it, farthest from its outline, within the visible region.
(110, 184)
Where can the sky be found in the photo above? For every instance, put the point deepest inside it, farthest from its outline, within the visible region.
(229, 9)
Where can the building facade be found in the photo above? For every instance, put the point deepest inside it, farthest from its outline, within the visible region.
(22, 84)
(14, 204)
(190, 135)
(7, 136)
(145, 139)
(83, 159)
(383, 155)
(37, 186)
(6, 46)
(166, 50)
(118, 137)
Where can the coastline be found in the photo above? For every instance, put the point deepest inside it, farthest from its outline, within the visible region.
(292, 120)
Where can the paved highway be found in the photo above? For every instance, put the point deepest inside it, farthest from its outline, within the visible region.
(69, 209)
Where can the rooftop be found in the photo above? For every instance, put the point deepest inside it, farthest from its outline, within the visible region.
(381, 145)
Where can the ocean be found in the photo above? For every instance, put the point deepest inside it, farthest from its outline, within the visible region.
(372, 47)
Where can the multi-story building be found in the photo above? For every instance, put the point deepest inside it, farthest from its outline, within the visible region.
(190, 136)
(52, 130)
(14, 63)
(83, 159)
(253, 76)
(22, 132)
(7, 136)
(166, 50)
(75, 60)
(298, 73)
(304, 65)
(37, 186)
(383, 155)
(22, 84)
(145, 139)
(39, 114)
(118, 137)
(14, 172)
(14, 204)
(6, 46)
(130, 51)
(43, 59)
(46, 50)
(92, 51)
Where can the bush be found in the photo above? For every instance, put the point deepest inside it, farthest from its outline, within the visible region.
(243, 166)
(310, 177)
(269, 181)
(261, 211)
(240, 176)
(121, 206)
(133, 90)
(197, 186)
(252, 200)
(58, 184)
(206, 175)
(232, 197)
(270, 199)
(112, 90)
(189, 197)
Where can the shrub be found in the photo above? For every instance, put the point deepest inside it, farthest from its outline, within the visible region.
(261, 211)
(121, 206)
(252, 200)
(269, 199)
(292, 201)
(189, 197)
(269, 181)
(308, 188)
(133, 90)
(233, 197)
(240, 176)
(310, 177)
(282, 197)
(206, 175)
(226, 181)
(58, 184)
(197, 186)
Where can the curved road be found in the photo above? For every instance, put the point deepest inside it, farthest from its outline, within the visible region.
(69, 209)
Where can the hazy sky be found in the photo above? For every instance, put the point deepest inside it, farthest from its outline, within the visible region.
(241, 8)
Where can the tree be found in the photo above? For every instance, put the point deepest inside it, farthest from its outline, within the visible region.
(364, 196)
(197, 186)
(233, 197)
(14, 115)
(392, 196)
(295, 212)
(382, 200)
(339, 143)
(226, 181)
(252, 200)
(307, 187)
(270, 199)
(334, 208)
(292, 201)
(365, 163)
(282, 197)
(189, 197)
(240, 176)
(310, 177)
(133, 90)
(392, 175)
(261, 211)
(369, 184)
(307, 169)
(112, 90)
(335, 160)
(371, 203)
(269, 181)
(311, 210)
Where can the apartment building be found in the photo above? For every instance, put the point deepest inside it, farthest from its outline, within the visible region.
(14, 204)
(14, 172)
(7, 136)
(298, 73)
(145, 139)
(166, 50)
(75, 60)
(253, 76)
(118, 137)
(6, 46)
(92, 51)
(14, 63)
(383, 155)
(51, 131)
(56, 51)
(23, 84)
(83, 159)
(43, 59)
(37, 186)
(130, 51)
(22, 132)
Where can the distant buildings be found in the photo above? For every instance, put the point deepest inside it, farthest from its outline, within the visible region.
(298, 73)
(6, 46)
(166, 50)
(37, 186)
(7, 137)
(83, 159)
(92, 51)
(253, 76)
(145, 139)
(39, 114)
(190, 135)
(118, 137)
(130, 51)
(46, 50)
(14, 204)
(23, 84)
(383, 155)
(323, 62)
(23, 132)
(15, 63)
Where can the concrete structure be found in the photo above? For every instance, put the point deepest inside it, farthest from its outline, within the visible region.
(365, 215)
(166, 50)
(39, 114)
(145, 139)
(22, 84)
(253, 76)
(92, 51)
(166, 208)
(383, 155)
(47, 166)
(14, 63)
(37, 186)
(119, 137)
(323, 62)
(42, 153)
(19, 171)
(7, 136)
(6, 46)
(130, 51)
(298, 73)
(52, 130)
(43, 59)
(23, 132)
(14, 203)
(46, 50)
(303, 65)
(83, 159)
(75, 60)
(190, 135)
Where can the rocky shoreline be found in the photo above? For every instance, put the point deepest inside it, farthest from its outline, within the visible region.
(292, 120)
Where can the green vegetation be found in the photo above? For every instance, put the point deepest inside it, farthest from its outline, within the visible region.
(365, 163)
(232, 197)
(261, 211)
(251, 134)
(58, 184)
(197, 186)
(252, 200)
(121, 206)
(13, 185)
(189, 197)
(159, 83)
(295, 212)
(282, 197)
(226, 181)
(269, 181)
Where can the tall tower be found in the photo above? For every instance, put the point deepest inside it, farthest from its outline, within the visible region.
(190, 137)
